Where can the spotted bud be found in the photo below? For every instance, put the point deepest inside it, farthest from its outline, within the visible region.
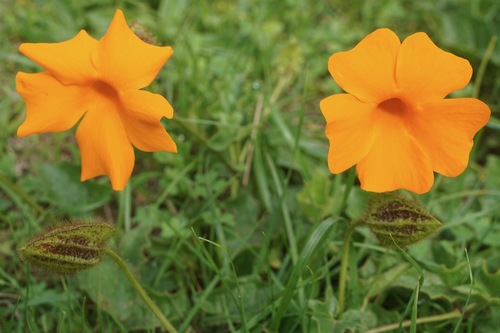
(69, 248)
(394, 219)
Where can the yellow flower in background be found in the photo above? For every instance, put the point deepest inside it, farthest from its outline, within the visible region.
(98, 82)
(394, 122)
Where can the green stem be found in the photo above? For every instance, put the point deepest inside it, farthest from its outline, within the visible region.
(127, 215)
(166, 324)
(423, 320)
(483, 65)
(351, 177)
(344, 262)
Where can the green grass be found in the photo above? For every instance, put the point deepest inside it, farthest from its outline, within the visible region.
(241, 230)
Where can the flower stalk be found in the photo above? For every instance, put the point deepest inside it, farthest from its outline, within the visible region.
(149, 302)
(423, 320)
(72, 247)
(390, 218)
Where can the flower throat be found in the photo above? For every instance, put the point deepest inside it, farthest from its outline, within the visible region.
(394, 106)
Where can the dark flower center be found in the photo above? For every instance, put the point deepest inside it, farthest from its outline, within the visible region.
(105, 90)
(394, 106)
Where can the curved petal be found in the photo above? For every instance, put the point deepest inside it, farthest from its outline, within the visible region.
(142, 112)
(349, 129)
(395, 161)
(146, 106)
(445, 130)
(124, 60)
(425, 72)
(148, 136)
(104, 146)
(50, 106)
(367, 71)
(69, 61)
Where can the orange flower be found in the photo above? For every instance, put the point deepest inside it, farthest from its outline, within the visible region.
(98, 82)
(394, 122)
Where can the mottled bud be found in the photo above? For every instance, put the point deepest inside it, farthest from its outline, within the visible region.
(143, 33)
(69, 248)
(403, 219)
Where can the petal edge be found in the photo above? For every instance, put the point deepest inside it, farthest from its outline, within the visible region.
(68, 61)
(124, 60)
(104, 147)
(50, 106)
(426, 73)
(349, 130)
(445, 130)
(367, 70)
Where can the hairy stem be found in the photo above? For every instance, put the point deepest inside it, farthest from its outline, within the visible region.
(423, 320)
(165, 323)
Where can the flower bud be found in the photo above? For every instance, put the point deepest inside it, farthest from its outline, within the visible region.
(68, 249)
(394, 219)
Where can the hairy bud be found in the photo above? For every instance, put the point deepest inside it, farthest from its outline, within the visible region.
(69, 248)
(395, 219)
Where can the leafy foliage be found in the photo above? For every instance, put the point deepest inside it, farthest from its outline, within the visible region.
(225, 234)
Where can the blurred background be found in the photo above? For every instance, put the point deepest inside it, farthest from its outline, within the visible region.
(214, 231)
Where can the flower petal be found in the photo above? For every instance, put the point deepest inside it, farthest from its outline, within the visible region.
(50, 106)
(146, 106)
(395, 161)
(69, 61)
(124, 60)
(445, 128)
(148, 136)
(367, 71)
(349, 129)
(425, 72)
(104, 146)
(141, 117)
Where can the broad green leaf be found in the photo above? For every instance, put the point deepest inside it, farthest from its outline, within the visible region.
(61, 186)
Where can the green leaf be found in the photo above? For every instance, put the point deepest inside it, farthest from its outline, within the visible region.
(354, 321)
(61, 186)
(315, 199)
(469, 34)
(384, 281)
(323, 312)
(314, 244)
(108, 287)
(490, 279)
